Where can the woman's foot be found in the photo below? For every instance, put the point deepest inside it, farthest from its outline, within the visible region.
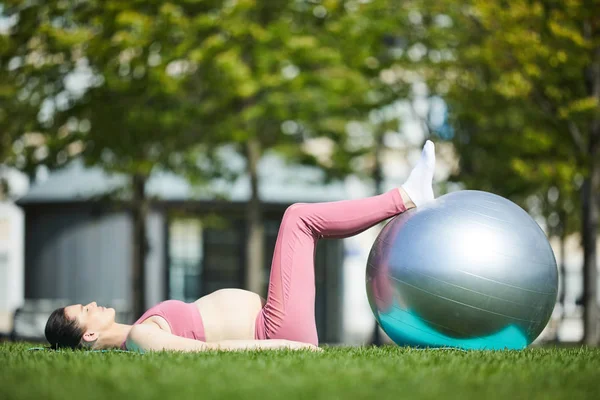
(418, 189)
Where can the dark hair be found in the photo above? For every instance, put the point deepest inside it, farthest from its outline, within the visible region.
(63, 332)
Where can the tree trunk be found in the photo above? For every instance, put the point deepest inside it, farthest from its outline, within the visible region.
(140, 245)
(562, 270)
(376, 339)
(4, 186)
(590, 271)
(590, 202)
(563, 261)
(255, 244)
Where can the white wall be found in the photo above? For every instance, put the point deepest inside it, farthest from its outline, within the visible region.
(571, 327)
(11, 262)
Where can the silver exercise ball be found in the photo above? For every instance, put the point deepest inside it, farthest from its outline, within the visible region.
(470, 270)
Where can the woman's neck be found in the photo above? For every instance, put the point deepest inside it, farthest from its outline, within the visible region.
(115, 337)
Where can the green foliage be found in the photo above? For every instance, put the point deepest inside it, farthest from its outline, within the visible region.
(165, 82)
(282, 72)
(102, 80)
(337, 373)
(516, 77)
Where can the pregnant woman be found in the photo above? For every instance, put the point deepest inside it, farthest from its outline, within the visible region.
(234, 319)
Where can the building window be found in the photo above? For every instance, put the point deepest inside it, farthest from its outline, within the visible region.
(224, 257)
(185, 259)
(206, 257)
(203, 259)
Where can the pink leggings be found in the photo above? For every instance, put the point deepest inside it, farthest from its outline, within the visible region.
(289, 312)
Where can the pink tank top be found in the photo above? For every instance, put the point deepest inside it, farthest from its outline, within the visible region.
(184, 319)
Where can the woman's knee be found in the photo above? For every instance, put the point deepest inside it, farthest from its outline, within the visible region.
(299, 218)
(295, 211)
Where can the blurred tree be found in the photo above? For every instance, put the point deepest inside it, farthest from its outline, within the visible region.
(104, 81)
(522, 80)
(379, 39)
(18, 108)
(266, 76)
(136, 86)
(283, 75)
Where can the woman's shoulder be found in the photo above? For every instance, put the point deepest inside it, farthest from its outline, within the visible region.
(158, 315)
(156, 321)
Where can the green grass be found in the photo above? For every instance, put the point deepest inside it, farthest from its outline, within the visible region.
(336, 373)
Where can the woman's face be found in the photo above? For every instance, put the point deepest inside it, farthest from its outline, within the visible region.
(92, 318)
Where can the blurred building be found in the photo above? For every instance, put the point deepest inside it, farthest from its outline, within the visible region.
(79, 245)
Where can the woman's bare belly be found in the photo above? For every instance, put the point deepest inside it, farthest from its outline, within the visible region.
(229, 314)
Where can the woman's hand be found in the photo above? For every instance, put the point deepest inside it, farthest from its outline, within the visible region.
(269, 344)
(301, 346)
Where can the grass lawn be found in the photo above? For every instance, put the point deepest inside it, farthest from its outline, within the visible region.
(337, 373)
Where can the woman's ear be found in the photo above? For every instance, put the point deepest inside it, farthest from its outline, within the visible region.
(89, 337)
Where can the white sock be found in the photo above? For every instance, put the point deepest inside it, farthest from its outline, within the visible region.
(418, 186)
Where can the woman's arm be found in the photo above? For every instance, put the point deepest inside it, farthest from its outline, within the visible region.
(144, 338)
(267, 344)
